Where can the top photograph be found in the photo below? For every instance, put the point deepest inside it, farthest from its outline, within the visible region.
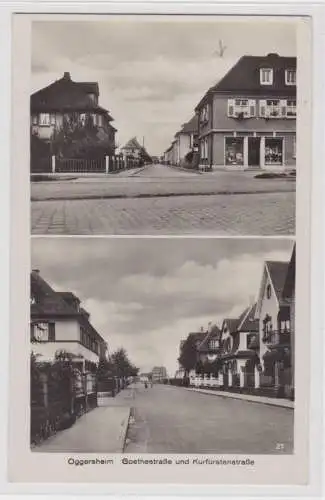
(157, 125)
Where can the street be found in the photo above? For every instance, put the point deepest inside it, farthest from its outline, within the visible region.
(176, 420)
(164, 200)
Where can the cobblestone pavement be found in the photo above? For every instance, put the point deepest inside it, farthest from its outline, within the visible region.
(254, 214)
(172, 420)
(157, 180)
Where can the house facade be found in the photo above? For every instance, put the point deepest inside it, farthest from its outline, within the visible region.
(248, 119)
(159, 374)
(186, 140)
(239, 353)
(132, 148)
(273, 312)
(59, 323)
(65, 101)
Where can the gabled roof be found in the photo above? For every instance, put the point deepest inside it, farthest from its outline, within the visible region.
(190, 127)
(214, 333)
(51, 303)
(66, 95)
(289, 285)
(48, 301)
(132, 144)
(232, 324)
(244, 77)
(248, 322)
(278, 272)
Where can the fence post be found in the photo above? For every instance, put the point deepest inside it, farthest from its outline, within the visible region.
(106, 164)
(53, 164)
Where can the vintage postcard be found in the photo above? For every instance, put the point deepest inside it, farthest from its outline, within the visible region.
(161, 250)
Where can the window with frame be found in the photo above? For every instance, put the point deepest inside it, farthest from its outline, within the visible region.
(266, 76)
(44, 332)
(268, 291)
(44, 119)
(291, 108)
(273, 107)
(290, 76)
(35, 120)
(246, 108)
(213, 344)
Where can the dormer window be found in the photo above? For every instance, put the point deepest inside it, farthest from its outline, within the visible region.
(266, 76)
(213, 344)
(290, 76)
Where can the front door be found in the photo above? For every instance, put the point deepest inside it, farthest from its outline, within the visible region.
(254, 144)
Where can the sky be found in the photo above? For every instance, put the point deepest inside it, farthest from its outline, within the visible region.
(147, 294)
(152, 72)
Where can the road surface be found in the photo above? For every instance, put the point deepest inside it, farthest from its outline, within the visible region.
(164, 200)
(176, 420)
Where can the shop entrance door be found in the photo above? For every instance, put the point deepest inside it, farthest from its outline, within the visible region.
(254, 145)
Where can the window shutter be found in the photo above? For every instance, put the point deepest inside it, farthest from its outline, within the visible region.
(283, 106)
(231, 107)
(252, 107)
(51, 332)
(263, 108)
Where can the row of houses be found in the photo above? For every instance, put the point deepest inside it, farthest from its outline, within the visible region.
(248, 119)
(68, 122)
(255, 351)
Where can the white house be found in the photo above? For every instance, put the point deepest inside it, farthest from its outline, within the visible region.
(273, 313)
(59, 323)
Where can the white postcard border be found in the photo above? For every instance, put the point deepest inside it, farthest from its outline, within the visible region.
(20, 272)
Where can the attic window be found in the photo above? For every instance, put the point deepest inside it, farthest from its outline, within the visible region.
(266, 76)
(268, 291)
(290, 76)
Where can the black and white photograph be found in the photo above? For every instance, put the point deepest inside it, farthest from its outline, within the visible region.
(154, 125)
(162, 346)
(160, 264)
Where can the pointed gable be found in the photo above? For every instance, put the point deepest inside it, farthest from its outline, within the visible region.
(132, 144)
(248, 321)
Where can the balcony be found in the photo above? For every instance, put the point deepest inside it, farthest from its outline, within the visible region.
(277, 338)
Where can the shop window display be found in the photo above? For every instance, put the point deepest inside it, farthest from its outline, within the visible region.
(273, 151)
(234, 150)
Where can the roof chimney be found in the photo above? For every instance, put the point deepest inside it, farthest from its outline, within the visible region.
(66, 75)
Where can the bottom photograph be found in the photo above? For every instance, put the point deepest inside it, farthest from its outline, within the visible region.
(176, 345)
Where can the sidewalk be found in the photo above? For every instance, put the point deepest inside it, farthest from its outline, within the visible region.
(284, 403)
(102, 430)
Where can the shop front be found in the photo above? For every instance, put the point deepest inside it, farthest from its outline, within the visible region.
(234, 151)
(273, 154)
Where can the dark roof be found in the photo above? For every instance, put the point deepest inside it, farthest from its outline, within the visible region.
(48, 302)
(197, 336)
(248, 323)
(132, 144)
(232, 324)
(214, 333)
(190, 127)
(278, 273)
(90, 87)
(289, 285)
(66, 95)
(244, 77)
